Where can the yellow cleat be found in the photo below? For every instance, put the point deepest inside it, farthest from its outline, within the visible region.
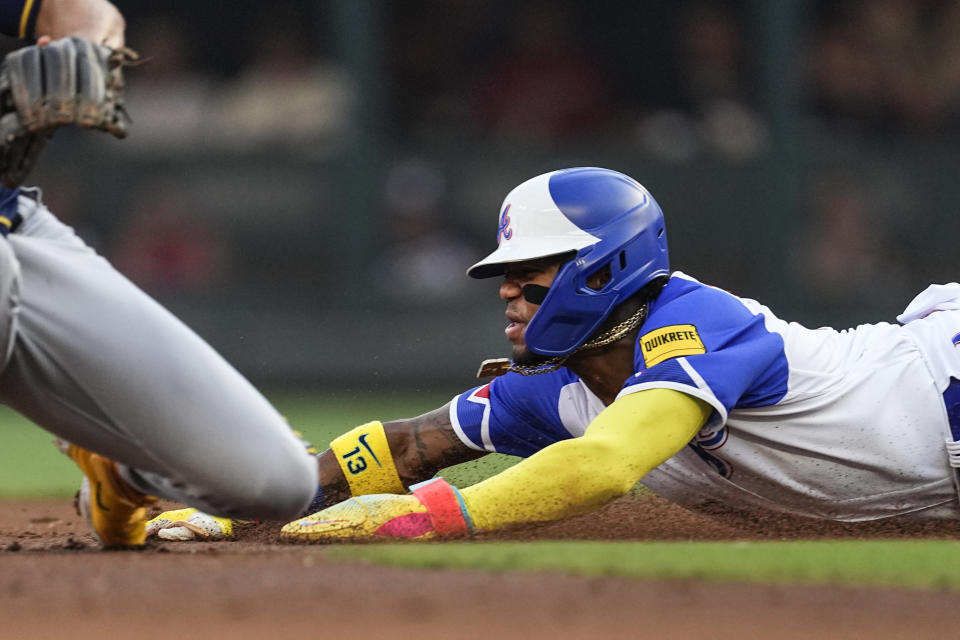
(115, 511)
(379, 516)
(189, 524)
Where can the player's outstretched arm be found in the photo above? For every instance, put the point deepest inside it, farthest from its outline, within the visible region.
(372, 458)
(633, 435)
(628, 439)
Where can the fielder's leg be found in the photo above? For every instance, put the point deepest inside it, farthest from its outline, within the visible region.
(9, 300)
(99, 363)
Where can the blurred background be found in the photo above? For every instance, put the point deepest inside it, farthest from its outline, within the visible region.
(306, 182)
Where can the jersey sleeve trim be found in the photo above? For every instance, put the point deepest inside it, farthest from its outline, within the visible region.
(458, 428)
(28, 19)
(701, 390)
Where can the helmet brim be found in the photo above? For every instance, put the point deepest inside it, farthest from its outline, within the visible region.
(531, 249)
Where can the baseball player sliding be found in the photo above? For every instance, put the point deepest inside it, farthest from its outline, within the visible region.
(623, 371)
(143, 405)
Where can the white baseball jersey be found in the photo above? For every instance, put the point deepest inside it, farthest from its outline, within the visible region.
(843, 425)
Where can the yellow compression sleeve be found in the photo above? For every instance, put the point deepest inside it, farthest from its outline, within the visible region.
(365, 459)
(628, 439)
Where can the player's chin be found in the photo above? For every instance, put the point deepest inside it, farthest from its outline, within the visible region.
(523, 356)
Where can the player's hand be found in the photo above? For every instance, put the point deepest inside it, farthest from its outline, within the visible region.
(189, 524)
(96, 20)
(434, 510)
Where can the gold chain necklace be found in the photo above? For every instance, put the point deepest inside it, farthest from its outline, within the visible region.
(500, 366)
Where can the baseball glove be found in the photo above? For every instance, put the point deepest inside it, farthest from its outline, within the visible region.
(72, 81)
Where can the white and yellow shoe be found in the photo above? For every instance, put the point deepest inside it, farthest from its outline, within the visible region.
(189, 524)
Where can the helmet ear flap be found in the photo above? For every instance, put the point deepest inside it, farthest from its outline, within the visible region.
(574, 309)
(600, 278)
(604, 275)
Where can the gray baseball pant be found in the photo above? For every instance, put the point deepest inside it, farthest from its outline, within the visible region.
(92, 359)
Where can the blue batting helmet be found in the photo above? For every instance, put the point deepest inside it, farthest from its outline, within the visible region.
(607, 218)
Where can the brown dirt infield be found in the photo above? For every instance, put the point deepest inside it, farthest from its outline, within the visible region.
(54, 583)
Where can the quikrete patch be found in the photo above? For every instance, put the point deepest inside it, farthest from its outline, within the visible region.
(670, 342)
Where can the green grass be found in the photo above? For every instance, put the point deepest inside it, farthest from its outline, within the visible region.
(30, 466)
(922, 564)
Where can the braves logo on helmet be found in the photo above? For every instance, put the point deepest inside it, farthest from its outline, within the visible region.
(504, 232)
